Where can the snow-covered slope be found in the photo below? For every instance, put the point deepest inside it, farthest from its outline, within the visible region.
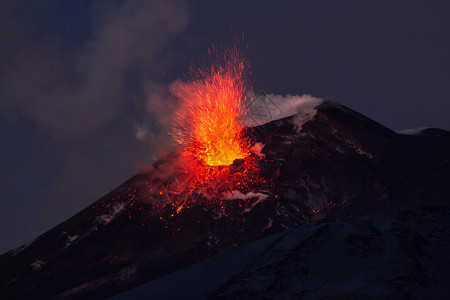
(397, 256)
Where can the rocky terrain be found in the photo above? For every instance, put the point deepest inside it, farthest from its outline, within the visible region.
(332, 167)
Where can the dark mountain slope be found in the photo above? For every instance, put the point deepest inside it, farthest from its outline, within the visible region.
(337, 165)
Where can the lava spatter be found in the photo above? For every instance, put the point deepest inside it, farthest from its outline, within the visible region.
(207, 122)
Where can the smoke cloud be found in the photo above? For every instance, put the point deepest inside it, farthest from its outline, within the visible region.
(412, 131)
(264, 108)
(81, 92)
(91, 103)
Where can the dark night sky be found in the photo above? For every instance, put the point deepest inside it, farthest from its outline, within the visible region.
(83, 84)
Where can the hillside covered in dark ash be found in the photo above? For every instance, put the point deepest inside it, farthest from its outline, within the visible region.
(335, 165)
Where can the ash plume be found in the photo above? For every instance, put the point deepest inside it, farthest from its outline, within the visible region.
(86, 100)
(83, 92)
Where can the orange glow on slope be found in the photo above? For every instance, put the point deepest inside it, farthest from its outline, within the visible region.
(205, 183)
(207, 123)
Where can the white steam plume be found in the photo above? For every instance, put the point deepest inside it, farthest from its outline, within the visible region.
(265, 108)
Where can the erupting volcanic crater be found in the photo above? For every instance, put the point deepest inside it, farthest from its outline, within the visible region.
(216, 159)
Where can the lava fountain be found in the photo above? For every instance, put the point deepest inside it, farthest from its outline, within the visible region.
(207, 122)
(208, 126)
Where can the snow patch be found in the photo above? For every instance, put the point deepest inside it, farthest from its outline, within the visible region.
(70, 240)
(358, 149)
(37, 265)
(238, 195)
(21, 248)
(11, 281)
(362, 152)
(126, 275)
(268, 225)
(106, 218)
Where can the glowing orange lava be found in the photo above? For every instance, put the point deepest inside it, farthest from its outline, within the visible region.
(207, 123)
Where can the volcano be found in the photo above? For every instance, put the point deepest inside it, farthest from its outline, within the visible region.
(334, 166)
